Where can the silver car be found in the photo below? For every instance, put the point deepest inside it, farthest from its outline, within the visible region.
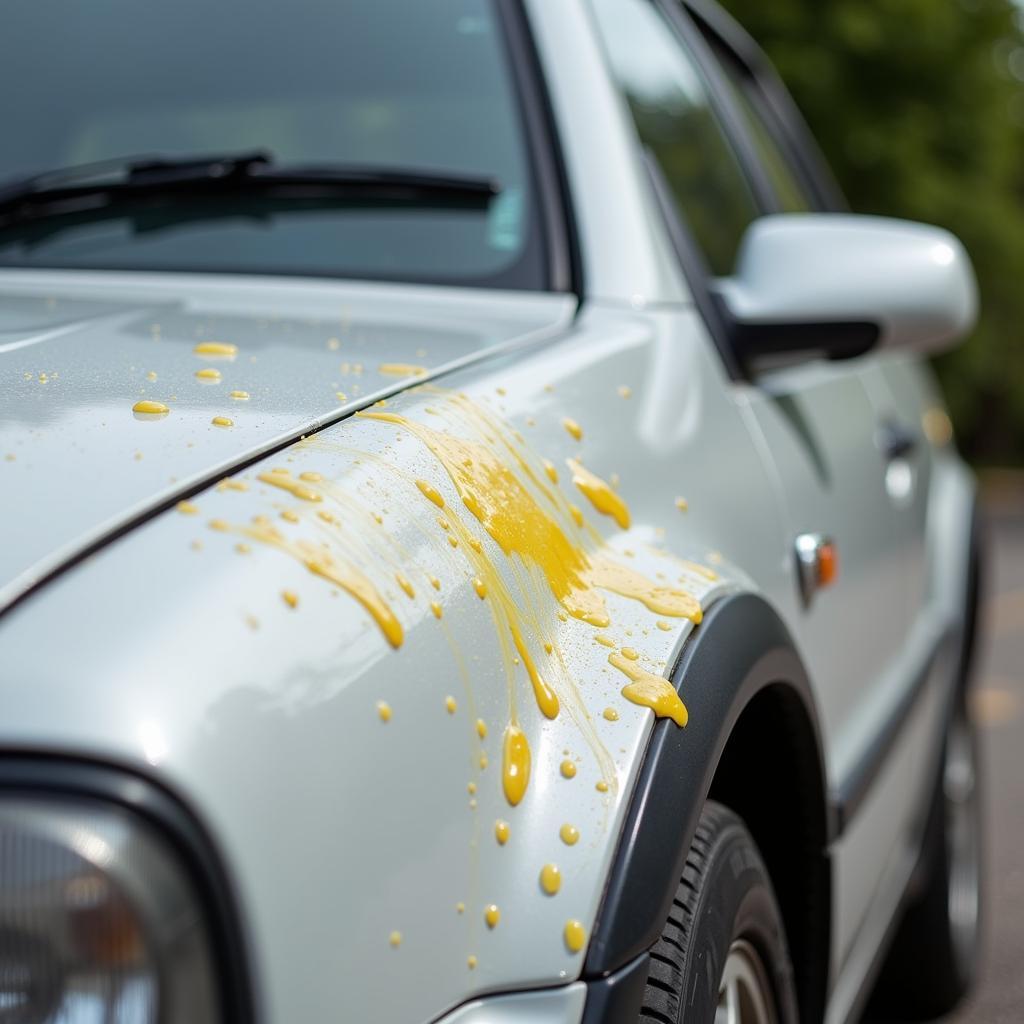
(481, 540)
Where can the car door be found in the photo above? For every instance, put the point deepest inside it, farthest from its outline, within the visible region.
(817, 422)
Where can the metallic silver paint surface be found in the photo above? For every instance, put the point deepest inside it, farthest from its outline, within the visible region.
(76, 348)
(557, 1006)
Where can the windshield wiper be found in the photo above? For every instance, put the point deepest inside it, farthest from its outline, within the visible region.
(98, 186)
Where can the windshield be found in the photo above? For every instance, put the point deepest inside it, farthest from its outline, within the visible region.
(403, 85)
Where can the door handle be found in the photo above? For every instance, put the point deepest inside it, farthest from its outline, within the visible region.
(895, 440)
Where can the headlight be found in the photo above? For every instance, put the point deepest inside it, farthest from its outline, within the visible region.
(98, 921)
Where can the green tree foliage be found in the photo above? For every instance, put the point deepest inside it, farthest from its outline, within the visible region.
(919, 108)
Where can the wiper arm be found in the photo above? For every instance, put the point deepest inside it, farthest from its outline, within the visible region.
(89, 186)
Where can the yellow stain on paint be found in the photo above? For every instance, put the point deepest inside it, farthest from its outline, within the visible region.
(216, 349)
(402, 370)
(186, 508)
(284, 480)
(572, 428)
(650, 691)
(599, 493)
(150, 408)
(515, 764)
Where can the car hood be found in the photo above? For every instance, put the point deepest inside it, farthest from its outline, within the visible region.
(79, 350)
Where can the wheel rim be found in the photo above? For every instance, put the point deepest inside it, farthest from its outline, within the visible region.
(744, 993)
(960, 790)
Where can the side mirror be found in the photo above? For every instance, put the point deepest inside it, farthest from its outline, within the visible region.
(840, 284)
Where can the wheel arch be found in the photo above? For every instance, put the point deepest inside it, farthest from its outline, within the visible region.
(752, 743)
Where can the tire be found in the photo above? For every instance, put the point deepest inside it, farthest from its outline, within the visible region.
(724, 938)
(935, 955)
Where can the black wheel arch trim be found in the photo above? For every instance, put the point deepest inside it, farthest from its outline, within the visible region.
(740, 648)
(53, 777)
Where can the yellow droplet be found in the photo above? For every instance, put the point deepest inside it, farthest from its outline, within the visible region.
(243, 549)
(549, 468)
(208, 373)
(282, 479)
(600, 494)
(610, 715)
(186, 508)
(310, 477)
(515, 762)
(443, 523)
(453, 540)
(395, 938)
(460, 908)
(625, 391)
(575, 936)
(290, 516)
(471, 961)
(682, 504)
(290, 598)
(340, 396)
(326, 516)
(401, 370)
(501, 391)
(483, 762)
(568, 769)
(492, 915)
(384, 710)
(602, 786)
(479, 587)
(573, 428)
(450, 705)
(550, 879)
(220, 525)
(471, 788)
(650, 691)
(604, 641)
(405, 585)
(430, 492)
(215, 348)
(435, 582)
(240, 396)
(148, 408)
(569, 834)
(629, 652)
(663, 625)
(436, 609)
(475, 544)
(481, 728)
(333, 344)
(43, 378)
(502, 832)
(548, 646)
(222, 421)
(151, 376)
(577, 515)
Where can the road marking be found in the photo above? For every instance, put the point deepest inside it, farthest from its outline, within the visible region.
(994, 702)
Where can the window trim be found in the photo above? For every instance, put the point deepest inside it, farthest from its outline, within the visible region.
(769, 97)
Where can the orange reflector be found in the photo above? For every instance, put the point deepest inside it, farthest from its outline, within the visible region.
(828, 564)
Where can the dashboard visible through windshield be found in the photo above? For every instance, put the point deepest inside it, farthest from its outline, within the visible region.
(421, 86)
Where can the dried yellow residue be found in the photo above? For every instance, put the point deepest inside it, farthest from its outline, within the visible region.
(650, 691)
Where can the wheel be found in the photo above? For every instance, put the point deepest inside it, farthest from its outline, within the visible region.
(934, 957)
(722, 956)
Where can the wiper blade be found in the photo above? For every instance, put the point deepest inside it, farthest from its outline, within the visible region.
(89, 187)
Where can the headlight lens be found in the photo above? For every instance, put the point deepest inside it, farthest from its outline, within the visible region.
(98, 920)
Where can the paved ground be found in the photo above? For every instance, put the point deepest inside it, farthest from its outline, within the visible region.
(999, 705)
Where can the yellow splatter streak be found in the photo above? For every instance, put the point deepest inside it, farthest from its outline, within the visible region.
(216, 349)
(401, 370)
(650, 691)
(572, 428)
(515, 764)
(600, 494)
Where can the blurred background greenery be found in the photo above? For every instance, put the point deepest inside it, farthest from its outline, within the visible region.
(919, 108)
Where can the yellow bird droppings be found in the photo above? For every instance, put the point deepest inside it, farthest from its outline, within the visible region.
(575, 936)
(149, 408)
(216, 349)
(569, 834)
(282, 478)
(515, 764)
(572, 428)
(550, 879)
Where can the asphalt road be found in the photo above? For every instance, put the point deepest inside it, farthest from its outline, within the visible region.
(999, 706)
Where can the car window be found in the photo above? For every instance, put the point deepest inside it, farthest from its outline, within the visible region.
(425, 85)
(785, 181)
(671, 106)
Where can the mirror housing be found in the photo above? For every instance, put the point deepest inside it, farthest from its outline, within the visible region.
(841, 284)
